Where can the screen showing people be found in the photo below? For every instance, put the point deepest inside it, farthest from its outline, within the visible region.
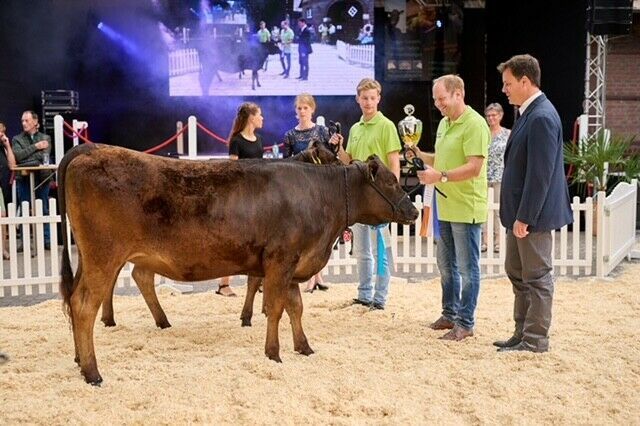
(241, 48)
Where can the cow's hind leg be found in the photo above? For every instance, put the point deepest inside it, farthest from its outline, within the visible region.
(85, 301)
(294, 310)
(253, 285)
(144, 280)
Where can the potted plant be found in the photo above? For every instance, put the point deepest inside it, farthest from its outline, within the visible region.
(596, 157)
(592, 161)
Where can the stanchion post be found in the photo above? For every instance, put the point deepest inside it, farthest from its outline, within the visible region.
(180, 141)
(58, 137)
(193, 136)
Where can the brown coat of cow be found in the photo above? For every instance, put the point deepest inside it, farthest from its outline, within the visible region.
(316, 153)
(192, 221)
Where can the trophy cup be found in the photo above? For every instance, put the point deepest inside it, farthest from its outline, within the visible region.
(410, 128)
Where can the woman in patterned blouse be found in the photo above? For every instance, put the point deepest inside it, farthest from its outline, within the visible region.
(297, 140)
(499, 135)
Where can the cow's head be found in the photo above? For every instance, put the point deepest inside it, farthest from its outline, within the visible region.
(388, 201)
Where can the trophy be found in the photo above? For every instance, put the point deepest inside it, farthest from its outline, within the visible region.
(410, 128)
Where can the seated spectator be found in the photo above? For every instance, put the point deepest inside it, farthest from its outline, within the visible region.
(30, 148)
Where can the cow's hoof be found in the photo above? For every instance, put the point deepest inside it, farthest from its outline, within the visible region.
(305, 351)
(109, 322)
(93, 380)
(246, 322)
(76, 359)
(163, 325)
(275, 357)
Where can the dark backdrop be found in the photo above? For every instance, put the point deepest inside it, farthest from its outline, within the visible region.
(54, 44)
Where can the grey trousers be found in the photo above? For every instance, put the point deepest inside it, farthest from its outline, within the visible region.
(528, 266)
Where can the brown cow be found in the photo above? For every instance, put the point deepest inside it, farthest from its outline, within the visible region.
(192, 221)
(316, 153)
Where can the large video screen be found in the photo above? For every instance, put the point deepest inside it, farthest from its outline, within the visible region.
(269, 47)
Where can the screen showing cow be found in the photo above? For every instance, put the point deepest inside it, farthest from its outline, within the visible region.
(269, 47)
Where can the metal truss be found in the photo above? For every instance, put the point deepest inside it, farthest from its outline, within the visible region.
(595, 88)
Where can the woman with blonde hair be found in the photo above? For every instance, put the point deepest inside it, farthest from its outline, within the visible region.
(297, 140)
(244, 143)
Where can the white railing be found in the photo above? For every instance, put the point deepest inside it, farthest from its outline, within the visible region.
(416, 255)
(361, 54)
(36, 270)
(616, 226)
(183, 61)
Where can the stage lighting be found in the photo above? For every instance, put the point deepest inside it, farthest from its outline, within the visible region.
(100, 25)
(439, 23)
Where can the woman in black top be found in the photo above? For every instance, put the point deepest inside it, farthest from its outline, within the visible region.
(297, 140)
(243, 143)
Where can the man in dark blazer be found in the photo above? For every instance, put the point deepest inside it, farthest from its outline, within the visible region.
(534, 201)
(304, 49)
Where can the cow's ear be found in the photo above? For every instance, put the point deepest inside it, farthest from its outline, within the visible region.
(373, 167)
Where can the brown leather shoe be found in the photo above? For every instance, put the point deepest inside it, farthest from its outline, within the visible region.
(512, 341)
(442, 323)
(457, 334)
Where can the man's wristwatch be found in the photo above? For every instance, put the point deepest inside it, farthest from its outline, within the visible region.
(444, 177)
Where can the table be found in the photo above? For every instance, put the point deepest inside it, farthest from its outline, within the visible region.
(31, 170)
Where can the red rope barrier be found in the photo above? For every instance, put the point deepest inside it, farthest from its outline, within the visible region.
(165, 143)
(213, 135)
(84, 139)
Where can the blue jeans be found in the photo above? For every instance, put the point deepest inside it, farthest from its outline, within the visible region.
(458, 256)
(23, 193)
(363, 250)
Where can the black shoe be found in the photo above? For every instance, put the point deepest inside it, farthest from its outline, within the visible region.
(283, 73)
(512, 341)
(47, 246)
(360, 302)
(522, 347)
(299, 78)
(321, 287)
(286, 76)
(377, 307)
(304, 79)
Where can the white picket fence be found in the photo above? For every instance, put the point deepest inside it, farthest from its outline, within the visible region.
(36, 270)
(361, 54)
(616, 226)
(183, 61)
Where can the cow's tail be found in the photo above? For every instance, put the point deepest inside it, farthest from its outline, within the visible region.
(66, 273)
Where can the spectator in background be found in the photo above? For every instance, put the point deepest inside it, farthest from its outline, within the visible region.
(286, 38)
(30, 148)
(244, 143)
(297, 140)
(495, 165)
(304, 48)
(7, 162)
(264, 37)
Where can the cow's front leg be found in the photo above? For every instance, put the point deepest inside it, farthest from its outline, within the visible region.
(144, 280)
(294, 310)
(253, 284)
(276, 282)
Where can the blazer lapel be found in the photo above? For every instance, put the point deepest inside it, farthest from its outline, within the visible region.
(520, 122)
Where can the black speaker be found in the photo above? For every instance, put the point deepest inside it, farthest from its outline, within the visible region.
(609, 17)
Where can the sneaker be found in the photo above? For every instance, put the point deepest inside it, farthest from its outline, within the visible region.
(377, 307)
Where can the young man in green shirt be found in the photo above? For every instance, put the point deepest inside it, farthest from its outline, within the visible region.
(373, 134)
(460, 172)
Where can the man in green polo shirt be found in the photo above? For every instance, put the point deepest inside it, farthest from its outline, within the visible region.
(460, 172)
(373, 134)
